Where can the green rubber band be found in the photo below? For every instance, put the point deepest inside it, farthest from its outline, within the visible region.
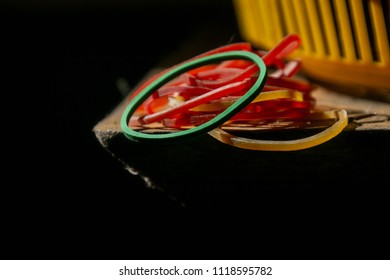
(180, 69)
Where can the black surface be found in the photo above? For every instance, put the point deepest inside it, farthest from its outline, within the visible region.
(68, 198)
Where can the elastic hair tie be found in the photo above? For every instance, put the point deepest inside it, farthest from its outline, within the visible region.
(180, 69)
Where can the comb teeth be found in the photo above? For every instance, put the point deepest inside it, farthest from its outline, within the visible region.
(351, 30)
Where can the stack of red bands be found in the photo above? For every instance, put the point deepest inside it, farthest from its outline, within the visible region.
(181, 103)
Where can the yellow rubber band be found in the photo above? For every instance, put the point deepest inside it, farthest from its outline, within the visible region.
(268, 95)
(288, 145)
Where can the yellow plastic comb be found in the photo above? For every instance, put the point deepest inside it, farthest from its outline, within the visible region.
(345, 43)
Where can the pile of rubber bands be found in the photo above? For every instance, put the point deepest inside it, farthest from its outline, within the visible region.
(234, 86)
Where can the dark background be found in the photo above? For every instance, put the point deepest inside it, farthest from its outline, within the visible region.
(65, 197)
